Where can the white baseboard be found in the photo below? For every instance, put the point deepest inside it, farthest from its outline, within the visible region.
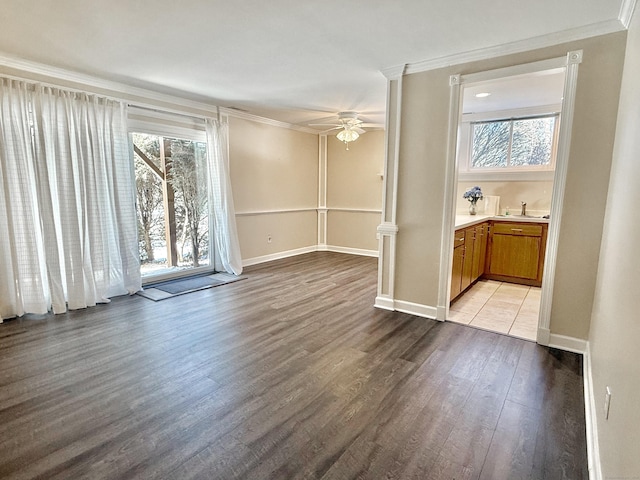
(314, 248)
(569, 344)
(543, 336)
(385, 303)
(411, 308)
(417, 309)
(277, 256)
(591, 419)
(350, 250)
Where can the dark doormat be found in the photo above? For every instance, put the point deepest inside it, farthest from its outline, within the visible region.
(173, 288)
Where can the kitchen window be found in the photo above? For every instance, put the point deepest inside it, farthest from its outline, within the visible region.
(514, 144)
(518, 144)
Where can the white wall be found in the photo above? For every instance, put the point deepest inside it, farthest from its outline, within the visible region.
(615, 322)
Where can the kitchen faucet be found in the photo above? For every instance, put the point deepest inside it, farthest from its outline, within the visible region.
(523, 212)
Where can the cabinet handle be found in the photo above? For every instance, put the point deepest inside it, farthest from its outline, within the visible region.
(516, 229)
(461, 239)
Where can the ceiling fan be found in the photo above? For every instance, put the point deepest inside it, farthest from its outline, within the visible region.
(349, 126)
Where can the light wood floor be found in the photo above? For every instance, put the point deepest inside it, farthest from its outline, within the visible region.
(288, 374)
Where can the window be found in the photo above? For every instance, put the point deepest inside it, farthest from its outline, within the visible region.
(514, 144)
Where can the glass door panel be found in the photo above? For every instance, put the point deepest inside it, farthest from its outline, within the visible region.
(171, 190)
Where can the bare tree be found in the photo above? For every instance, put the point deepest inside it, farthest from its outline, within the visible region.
(505, 143)
(490, 144)
(148, 193)
(149, 199)
(190, 186)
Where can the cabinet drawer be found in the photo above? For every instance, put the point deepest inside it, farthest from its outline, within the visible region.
(527, 229)
(458, 238)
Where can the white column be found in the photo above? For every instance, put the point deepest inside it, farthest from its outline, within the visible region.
(388, 229)
(574, 59)
(448, 219)
(322, 192)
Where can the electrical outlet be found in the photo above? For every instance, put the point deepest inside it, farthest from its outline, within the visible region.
(269, 238)
(607, 403)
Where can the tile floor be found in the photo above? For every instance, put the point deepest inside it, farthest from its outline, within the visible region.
(500, 307)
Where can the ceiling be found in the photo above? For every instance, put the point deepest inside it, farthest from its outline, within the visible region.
(293, 61)
(520, 91)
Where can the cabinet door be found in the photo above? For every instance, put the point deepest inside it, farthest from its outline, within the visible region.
(467, 266)
(479, 251)
(458, 260)
(515, 255)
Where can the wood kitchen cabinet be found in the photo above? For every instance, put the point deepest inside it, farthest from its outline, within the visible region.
(469, 256)
(516, 252)
(480, 250)
(458, 261)
(498, 250)
(467, 265)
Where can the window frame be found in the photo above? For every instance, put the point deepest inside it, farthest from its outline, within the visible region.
(530, 172)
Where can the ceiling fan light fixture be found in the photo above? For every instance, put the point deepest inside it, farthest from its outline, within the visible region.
(347, 135)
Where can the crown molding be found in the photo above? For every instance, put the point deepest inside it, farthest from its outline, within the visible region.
(543, 41)
(626, 12)
(395, 72)
(267, 121)
(150, 97)
(57, 73)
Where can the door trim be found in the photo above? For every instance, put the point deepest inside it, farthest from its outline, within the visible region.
(570, 63)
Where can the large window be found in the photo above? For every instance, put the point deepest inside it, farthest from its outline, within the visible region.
(514, 144)
(171, 191)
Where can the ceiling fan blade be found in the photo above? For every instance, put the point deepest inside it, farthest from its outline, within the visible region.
(371, 125)
(331, 129)
(324, 125)
(331, 119)
(359, 130)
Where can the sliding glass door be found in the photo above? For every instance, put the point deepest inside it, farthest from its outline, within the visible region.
(172, 211)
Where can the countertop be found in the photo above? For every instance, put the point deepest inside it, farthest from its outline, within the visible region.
(463, 221)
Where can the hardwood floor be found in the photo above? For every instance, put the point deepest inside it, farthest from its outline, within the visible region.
(290, 373)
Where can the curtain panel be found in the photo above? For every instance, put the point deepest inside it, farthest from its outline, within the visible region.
(67, 200)
(222, 217)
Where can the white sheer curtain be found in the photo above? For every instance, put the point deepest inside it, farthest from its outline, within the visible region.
(67, 202)
(222, 216)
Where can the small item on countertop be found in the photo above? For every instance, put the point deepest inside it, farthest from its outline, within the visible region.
(473, 195)
(507, 211)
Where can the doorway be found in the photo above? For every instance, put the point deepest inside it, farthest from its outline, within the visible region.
(514, 101)
(171, 202)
